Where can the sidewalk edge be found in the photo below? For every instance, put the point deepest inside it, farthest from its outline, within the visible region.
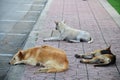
(111, 11)
(34, 34)
(30, 42)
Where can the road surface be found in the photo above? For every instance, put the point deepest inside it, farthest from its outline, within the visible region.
(17, 19)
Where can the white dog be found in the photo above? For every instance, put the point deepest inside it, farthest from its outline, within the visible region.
(70, 34)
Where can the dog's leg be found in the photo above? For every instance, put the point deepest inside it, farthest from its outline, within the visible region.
(23, 61)
(78, 55)
(60, 37)
(29, 62)
(88, 61)
(48, 70)
(52, 39)
(19, 62)
(40, 64)
(94, 60)
(86, 56)
(74, 41)
(51, 70)
(41, 70)
(102, 64)
(90, 41)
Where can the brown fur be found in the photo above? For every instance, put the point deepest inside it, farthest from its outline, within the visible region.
(53, 59)
(99, 57)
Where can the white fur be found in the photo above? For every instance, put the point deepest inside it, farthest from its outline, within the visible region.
(70, 34)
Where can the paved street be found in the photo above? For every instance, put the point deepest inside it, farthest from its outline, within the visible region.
(17, 19)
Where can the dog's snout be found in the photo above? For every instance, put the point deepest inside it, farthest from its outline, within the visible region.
(56, 28)
(8, 62)
(11, 63)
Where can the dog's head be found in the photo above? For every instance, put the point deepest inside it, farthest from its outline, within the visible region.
(17, 58)
(106, 51)
(59, 25)
(103, 51)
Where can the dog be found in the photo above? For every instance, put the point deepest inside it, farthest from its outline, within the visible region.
(70, 34)
(102, 57)
(52, 59)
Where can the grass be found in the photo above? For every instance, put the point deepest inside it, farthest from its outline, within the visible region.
(115, 4)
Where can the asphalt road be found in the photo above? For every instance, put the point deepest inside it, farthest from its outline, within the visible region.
(17, 19)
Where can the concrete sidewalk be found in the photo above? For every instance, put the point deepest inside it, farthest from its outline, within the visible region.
(89, 15)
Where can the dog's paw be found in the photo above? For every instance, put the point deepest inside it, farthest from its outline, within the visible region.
(95, 65)
(41, 70)
(44, 40)
(81, 61)
(70, 41)
(77, 56)
(40, 64)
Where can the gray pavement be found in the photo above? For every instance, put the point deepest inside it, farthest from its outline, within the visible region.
(17, 19)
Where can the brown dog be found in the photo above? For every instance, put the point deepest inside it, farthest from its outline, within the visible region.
(53, 59)
(99, 57)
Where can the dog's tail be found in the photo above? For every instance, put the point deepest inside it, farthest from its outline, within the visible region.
(91, 40)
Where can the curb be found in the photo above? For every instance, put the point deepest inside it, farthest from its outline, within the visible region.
(18, 71)
(115, 16)
(34, 34)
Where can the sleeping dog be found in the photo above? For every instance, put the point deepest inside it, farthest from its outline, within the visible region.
(52, 59)
(99, 57)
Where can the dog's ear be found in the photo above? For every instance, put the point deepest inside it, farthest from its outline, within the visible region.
(21, 56)
(19, 49)
(63, 21)
(56, 22)
(108, 48)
